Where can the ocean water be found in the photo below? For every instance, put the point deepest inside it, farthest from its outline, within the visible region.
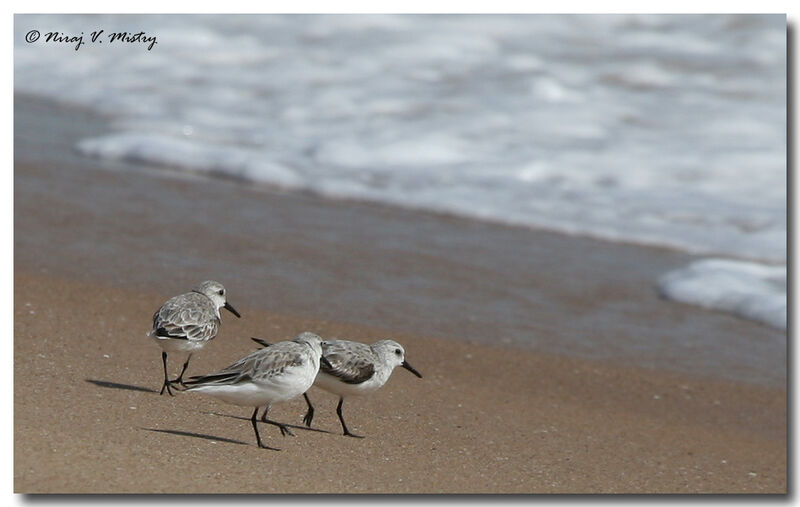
(661, 130)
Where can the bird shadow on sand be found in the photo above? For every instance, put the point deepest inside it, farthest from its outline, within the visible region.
(196, 435)
(115, 385)
(293, 426)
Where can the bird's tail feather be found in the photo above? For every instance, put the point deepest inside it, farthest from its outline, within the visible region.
(262, 342)
(214, 378)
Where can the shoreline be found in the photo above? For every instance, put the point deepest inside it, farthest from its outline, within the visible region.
(550, 363)
(364, 263)
(484, 419)
(382, 267)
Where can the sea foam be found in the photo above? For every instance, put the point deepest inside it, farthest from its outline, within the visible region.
(659, 130)
(750, 290)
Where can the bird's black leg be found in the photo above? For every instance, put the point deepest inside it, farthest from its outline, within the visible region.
(179, 380)
(166, 377)
(258, 437)
(310, 414)
(344, 426)
(284, 429)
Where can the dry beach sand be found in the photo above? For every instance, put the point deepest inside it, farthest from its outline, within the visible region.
(550, 363)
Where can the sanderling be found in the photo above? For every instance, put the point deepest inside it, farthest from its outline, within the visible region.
(187, 322)
(276, 373)
(354, 369)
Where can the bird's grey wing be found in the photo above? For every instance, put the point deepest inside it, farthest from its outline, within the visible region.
(349, 363)
(186, 317)
(272, 363)
(265, 365)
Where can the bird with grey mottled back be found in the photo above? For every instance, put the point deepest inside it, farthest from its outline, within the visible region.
(266, 376)
(186, 323)
(354, 369)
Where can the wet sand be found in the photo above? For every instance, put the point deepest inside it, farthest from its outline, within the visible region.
(414, 272)
(550, 362)
(484, 419)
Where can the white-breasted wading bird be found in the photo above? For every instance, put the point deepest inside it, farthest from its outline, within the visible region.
(354, 369)
(186, 323)
(266, 376)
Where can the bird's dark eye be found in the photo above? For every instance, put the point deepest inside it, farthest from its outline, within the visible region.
(221, 292)
(397, 352)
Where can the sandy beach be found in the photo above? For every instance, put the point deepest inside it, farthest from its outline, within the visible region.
(482, 420)
(550, 363)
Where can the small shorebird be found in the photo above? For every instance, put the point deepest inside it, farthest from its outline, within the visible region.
(185, 323)
(355, 369)
(273, 374)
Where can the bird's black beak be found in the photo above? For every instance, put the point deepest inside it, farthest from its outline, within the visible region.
(324, 360)
(411, 369)
(231, 309)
